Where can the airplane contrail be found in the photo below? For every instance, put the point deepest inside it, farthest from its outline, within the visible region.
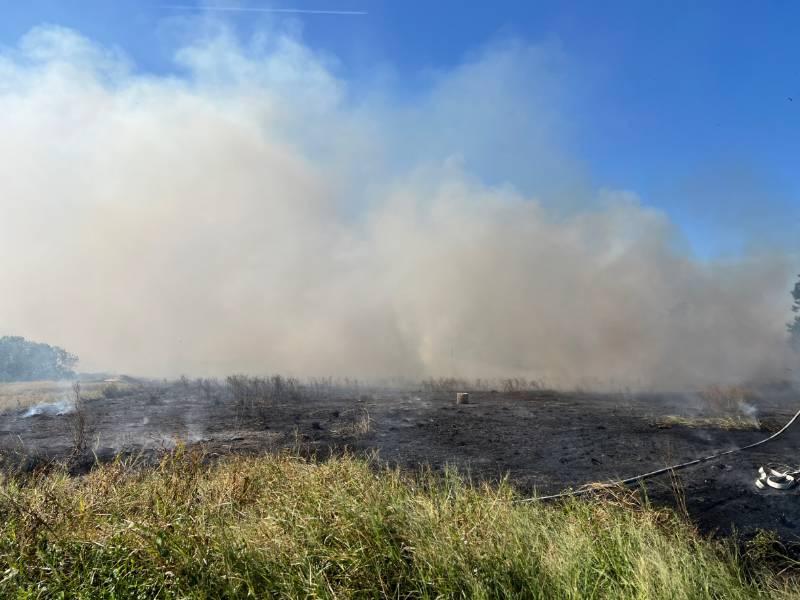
(303, 11)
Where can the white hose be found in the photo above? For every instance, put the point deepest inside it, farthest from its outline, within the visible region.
(678, 467)
(783, 478)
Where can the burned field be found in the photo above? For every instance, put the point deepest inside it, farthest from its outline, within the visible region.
(544, 441)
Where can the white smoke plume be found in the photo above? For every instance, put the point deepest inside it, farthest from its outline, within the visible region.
(255, 212)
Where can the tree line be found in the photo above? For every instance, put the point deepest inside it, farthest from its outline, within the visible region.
(23, 360)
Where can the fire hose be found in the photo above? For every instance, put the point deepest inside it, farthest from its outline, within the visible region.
(773, 477)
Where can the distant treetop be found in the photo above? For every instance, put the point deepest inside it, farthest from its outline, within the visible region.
(22, 360)
(794, 326)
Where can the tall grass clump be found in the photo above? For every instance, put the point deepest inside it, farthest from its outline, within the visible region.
(286, 527)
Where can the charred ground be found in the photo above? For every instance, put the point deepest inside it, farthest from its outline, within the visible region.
(544, 441)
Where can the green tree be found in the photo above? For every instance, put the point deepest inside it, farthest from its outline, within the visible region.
(794, 326)
(22, 360)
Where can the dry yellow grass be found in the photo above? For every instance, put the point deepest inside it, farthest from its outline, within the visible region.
(15, 396)
(359, 424)
(729, 423)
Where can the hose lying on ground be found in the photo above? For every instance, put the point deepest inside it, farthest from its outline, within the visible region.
(673, 468)
(779, 477)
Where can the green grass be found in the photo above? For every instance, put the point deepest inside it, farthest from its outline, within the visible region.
(286, 527)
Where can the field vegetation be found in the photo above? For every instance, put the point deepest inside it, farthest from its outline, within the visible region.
(21, 395)
(726, 423)
(284, 526)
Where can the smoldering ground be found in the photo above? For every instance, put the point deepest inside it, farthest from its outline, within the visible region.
(543, 441)
(255, 212)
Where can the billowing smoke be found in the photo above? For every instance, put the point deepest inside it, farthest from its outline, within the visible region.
(255, 212)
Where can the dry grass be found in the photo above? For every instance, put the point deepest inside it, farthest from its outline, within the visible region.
(16, 396)
(22, 395)
(285, 527)
(357, 423)
(728, 423)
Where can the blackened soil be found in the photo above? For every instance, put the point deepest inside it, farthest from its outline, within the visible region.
(545, 442)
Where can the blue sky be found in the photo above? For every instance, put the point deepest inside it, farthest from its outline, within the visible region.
(685, 103)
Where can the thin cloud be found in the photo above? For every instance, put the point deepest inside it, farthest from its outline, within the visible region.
(300, 11)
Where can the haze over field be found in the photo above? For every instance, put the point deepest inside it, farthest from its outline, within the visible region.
(257, 212)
